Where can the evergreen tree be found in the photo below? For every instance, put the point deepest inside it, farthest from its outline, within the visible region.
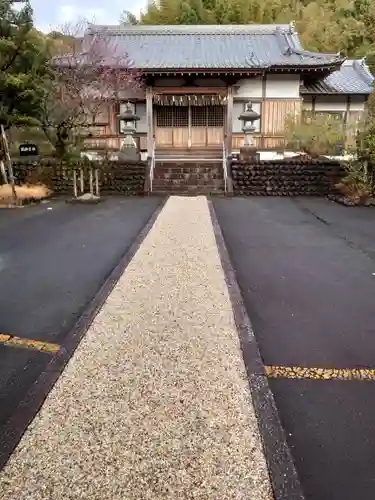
(23, 64)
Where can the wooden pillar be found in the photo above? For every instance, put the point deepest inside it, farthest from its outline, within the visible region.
(347, 111)
(150, 128)
(347, 124)
(313, 105)
(114, 127)
(262, 141)
(228, 145)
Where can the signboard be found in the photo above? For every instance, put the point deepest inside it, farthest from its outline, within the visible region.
(28, 150)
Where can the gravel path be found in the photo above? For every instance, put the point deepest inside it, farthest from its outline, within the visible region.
(155, 403)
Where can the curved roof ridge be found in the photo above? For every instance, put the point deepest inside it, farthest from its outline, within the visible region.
(191, 29)
(363, 70)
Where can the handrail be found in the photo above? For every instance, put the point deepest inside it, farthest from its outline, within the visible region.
(225, 169)
(152, 166)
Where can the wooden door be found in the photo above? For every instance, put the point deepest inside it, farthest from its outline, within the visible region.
(207, 126)
(215, 125)
(172, 126)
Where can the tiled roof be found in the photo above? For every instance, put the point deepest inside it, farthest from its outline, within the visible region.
(213, 46)
(353, 77)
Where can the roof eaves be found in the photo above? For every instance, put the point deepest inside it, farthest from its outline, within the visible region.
(252, 70)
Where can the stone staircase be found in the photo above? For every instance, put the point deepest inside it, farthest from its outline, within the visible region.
(189, 155)
(188, 177)
(188, 172)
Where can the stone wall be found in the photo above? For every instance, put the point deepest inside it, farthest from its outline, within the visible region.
(286, 177)
(114, 177)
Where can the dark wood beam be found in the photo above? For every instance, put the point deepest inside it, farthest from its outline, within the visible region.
(229, 124)
(190, 90)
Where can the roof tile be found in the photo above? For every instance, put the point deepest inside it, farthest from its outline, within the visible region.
(353, 77)
(212, 46)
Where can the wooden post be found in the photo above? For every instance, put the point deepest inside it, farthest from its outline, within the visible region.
(313, 105)
(91, 181)
(97, 182)
(75, 183)
(228, 145)
(81, 179)
(347, 125)
(262, 141)
(150, 131)
(9, 162)
(3, 172)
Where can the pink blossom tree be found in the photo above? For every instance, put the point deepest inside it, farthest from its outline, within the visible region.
(87, 73)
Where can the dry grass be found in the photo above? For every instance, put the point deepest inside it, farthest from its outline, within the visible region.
(26, 192)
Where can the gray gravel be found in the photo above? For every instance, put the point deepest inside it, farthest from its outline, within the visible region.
(155, 402)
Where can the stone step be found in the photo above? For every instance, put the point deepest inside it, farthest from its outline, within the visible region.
(173, 185)
(189, 154)
(193, 176)
(191, 192)
(195, 170)
(188, 164)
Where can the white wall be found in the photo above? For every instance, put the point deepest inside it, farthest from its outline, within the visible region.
(335, 103)
(332, 103)
(277, 87)
(283, 86)
(249, 88)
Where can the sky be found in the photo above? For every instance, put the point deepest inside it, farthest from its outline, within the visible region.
(50, 15)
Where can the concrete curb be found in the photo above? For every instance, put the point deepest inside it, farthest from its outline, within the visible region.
(13, 430)
(283, 474)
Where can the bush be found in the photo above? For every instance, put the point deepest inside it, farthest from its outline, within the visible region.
(315, 134)
(357, 186)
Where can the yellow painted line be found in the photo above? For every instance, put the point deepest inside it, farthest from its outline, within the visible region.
(36, 345)
(299, 373)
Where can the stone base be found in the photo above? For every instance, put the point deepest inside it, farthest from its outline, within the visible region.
(86, 198)
(249, 154)
(127, 154)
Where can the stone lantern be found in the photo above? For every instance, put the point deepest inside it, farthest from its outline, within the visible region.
(248, 117)
(127, 121)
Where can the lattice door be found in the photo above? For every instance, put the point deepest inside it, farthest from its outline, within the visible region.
(207, 125)
(172, 125)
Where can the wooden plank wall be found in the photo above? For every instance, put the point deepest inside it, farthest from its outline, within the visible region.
(273, 115)
(275, 112)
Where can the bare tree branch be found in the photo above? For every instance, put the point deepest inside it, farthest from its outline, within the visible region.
(89, 71)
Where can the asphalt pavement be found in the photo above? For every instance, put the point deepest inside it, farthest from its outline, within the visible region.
(54, 258)
(306, 272)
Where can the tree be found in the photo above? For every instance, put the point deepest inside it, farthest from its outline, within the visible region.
(128, 17)
(87, 74)
(23, 64)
